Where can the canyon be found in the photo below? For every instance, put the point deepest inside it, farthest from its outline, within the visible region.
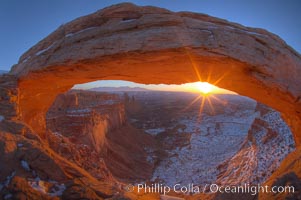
(97, 136)
(160, 137)
(41, 160)
(222, 144)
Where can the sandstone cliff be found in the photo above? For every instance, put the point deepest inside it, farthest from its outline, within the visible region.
(269, 140)
(86, 117)
(91, 128)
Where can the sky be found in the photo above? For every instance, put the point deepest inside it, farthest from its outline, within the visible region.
(24, 23)
(196, 87)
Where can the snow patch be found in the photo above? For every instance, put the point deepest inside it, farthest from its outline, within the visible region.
(7, 180)
(26, 59)
(20, 145)
(155, 131)
(128, 20)
(25, 165)
(58, 190)
(133, 120)
(86, 110)
(44, 50)
(69, 34)
(57, 134)
(78, 112)
(77, 115)
(261, 155)
(245, 31)
(72, 34)
(41, 186)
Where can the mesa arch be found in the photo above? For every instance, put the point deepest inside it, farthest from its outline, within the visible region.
(154, 45)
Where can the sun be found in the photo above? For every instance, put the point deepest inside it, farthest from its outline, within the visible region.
(204, 87)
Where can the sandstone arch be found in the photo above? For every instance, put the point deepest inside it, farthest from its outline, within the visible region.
(153, 45)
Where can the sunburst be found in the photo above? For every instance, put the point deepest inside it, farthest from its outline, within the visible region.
(206, 90)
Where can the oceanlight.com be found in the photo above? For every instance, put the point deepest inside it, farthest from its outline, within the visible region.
(209, 188)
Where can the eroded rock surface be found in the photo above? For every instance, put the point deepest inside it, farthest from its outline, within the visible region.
(91, 129)
(88, 114)
(268, 142)
(30, 169)
(140, 44)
